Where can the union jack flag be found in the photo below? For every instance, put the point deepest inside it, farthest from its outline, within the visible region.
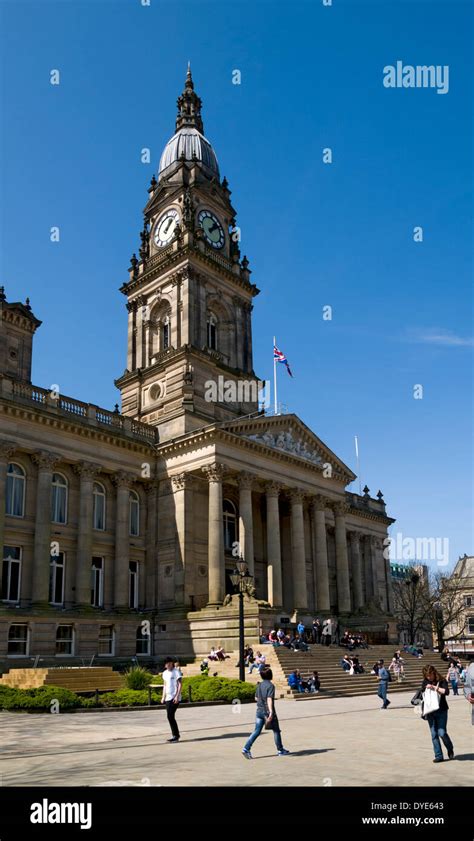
(279, 356)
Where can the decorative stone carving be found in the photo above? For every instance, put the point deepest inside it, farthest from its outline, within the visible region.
(182, 481)
(7, 448)
(288, 443)
(44, 460)
(122, 479)
(214, 472)
(246, 480)
(273, 488)
(296, 496)
(319, 503)
(340, 509)
(87, 469)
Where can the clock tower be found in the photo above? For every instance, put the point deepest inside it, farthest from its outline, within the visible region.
(189, 294)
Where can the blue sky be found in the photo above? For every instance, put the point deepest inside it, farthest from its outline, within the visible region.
(315, 234)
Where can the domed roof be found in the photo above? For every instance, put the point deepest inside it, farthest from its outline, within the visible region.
(190, 143)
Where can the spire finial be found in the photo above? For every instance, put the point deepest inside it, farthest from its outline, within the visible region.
(189, 106)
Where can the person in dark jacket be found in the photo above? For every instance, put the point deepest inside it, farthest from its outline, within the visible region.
(438, 720)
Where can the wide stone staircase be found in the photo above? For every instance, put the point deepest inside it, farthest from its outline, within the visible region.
(75, 678)
(335, 683)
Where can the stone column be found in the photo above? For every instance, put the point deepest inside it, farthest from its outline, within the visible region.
(342, 560)
(46, 464)
(373, 567)
(87, 473)
(183, 491)
(7, 448)
(151, 583)
(275, 584)
(122, 482)
(246, 520)
(214, 474)
(388, 577)
(357, 589)
(369, 579)
(320, 553)
(300, 593)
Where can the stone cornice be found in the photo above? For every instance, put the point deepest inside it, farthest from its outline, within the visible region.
(168, 259)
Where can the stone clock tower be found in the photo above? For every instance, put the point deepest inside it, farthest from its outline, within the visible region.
(189, 296)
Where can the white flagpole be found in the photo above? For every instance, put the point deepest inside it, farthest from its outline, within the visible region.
(358, 463)
(275, 376)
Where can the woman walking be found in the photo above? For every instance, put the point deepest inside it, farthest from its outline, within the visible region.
(438, 718)
(453, 677)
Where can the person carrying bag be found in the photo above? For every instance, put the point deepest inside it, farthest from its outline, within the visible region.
(435, 711)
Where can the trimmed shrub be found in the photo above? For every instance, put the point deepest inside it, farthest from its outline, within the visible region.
(138, 678)
(128, 698)
(39, 699)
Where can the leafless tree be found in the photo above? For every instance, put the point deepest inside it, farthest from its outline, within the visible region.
(411, 603)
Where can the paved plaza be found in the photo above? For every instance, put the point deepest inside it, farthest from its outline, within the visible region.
(339, 742)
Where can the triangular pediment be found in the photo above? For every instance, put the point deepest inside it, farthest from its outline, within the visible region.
(289, 435)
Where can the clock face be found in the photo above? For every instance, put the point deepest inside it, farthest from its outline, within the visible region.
(165, 226)
(213, 230)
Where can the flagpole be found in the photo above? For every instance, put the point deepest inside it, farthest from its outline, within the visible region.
(358, 463)
(275, 376)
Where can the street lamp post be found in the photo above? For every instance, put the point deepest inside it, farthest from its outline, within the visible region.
(241, 579)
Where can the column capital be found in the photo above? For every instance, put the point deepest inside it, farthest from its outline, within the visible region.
(150, 486)
(245, 480)
(7, 448)
(319, 502)
(45, 460)
(296, 496)
(122, 479)
(354, 535)
(87, 470)
(182, 481)
(340, 509)
(273, 489)
(214, 472)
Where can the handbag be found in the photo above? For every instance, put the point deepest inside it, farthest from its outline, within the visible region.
(417, 698)
(430, 701)
(269, 723)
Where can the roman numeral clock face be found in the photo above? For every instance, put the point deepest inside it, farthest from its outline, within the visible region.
(164, 229)
(213, 230)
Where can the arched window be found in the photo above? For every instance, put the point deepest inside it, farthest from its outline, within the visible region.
(143, 639)
(165, 333)
(230, 524)
(134, 514)
(15, 491)
(59, 499)
(98, 517)
(212, 331)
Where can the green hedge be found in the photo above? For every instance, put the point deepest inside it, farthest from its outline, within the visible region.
(202, 689)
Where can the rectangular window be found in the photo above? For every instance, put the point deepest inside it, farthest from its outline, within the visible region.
(106, 640)
(133, 584)
(468, 601)
(56, 578)
(17, 641)
(65, 639)
(97, 582)
(11, 571)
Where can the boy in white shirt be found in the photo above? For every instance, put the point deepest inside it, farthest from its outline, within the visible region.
(172, 680)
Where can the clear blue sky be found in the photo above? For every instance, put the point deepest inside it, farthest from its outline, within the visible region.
(315, 234)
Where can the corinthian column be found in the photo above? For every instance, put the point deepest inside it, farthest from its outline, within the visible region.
(122, 482)
(246, 519)
(87, 473)
(214, 474)
(300, 593)
(151, 593)
(320, 548)
(354, 537)
(46, 464)
(342, 561)
(7, 448)
(275, 587)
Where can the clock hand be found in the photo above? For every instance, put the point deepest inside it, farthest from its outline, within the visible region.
(167, 226)
(215, 225)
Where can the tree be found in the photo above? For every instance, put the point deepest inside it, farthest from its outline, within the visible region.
(445, 605)
(411, 606)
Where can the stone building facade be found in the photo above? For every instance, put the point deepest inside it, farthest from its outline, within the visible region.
(120, 529)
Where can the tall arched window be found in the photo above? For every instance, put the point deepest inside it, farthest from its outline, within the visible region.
(134, 514)
(212, 331)
(165, 333)
(59, 499)
(98, 517)
(230, 524)
(15, 491)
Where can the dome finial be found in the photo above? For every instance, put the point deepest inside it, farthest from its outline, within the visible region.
(189, 106)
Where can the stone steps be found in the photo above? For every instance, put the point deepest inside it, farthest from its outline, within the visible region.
(77, 679)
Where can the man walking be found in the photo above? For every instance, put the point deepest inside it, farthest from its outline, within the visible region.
(266, 715)
(469, 688)
(383, 678)
(172, 682)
